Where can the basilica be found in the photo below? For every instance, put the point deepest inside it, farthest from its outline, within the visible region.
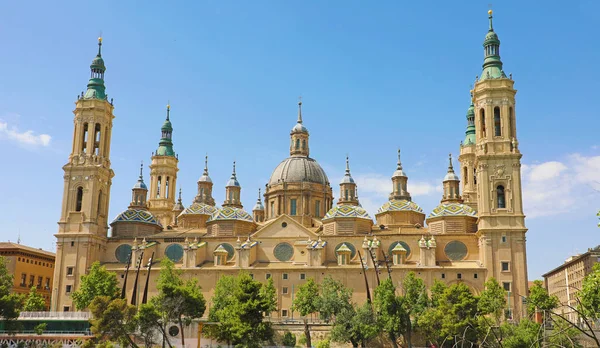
(298, 229)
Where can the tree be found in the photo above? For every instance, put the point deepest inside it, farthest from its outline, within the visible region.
(269, 293)
(97, 282)
(356, 325)
(306, 303)
(289, 339)
(34, 301)
(414, 302)
(334, 298)
(458, 307)
(10, 303)
(525, 334)
(239, 305)
(178, 301)
(430, 321)
(490, 306)
(391, 316)
(148, 319)
(589, 296)
(539, 300)
(113, 319)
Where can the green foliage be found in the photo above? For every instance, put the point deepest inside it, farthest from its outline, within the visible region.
(334, 298)
(269, 293)
(148, 320)
(326, 343)
(492, 300)
(539, 299)
(306, 298)
(98, 282)
(239, 305)
(34, 301)
(526, 334)
(302, 339)
(40, 328)
(563, 334)
(589, 296)
(10, 304)
(414, 302)
(289, 339)
(437, 291)
(356, 325)
(113, 319)
(391, 313)
(178, 301)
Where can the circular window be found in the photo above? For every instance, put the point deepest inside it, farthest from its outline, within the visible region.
(230, 250)
(173, 331)
(284, 224)
(283, 252)
(455, 250)
(404, 245)
(174, 252)
(350, 246)
(122, 253)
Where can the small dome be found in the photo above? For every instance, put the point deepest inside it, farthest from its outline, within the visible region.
(258, 206)
(233, 182)
(451, 176)
(453, 209)
(140, 185)
(299, 128)
(491, 37)
(98, 63)
(136, 215)
(199, 208)
(205, 178)
(399, 205)
(230, 213)
(167, 126)
(299, 169)
(347, 211)
(399, 172)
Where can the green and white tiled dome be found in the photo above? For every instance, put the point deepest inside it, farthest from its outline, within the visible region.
(347, 211)
(400, 205)
(199, 208)
(453, 209)
(136, 215)
(230, 213)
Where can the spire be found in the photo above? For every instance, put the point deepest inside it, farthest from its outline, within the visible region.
(347, 177)
(450, 175)
(258, 205)
(300, 110)
(140, 182)
(470, 132)
(492, 65)
(205, 177)
(299, 127)
(165, 146)
(178, 207)
(399, 171)
(451, 185)
(233, 180)
(95, 86)
(348, 188)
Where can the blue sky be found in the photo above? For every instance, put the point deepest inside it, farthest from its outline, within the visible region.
(374, 76)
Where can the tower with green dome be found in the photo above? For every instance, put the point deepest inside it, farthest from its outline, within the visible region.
(83, 225)
(163, 175)
(501, 225)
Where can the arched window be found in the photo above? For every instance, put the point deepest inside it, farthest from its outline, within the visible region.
(84, 137)
(303, 144)
(466, 175)
(99, 203)
(158, 187)
(501, 197)
(97, 139)
(510, 123)
(497, 123)
(482, 122)
(167, 188)
(297, 144)
(230, 195)
(202, 192)
(346, 194)
(398, 187)
(475, 176)
(79, 199)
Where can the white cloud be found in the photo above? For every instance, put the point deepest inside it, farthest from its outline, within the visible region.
(27, 137)
(554, 187)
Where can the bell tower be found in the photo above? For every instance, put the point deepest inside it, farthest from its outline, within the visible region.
(163, 175)
(500, 207)
(83, 224)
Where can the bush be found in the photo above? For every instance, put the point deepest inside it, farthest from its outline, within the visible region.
(302, 339)
(289, 339)
(39, 329)
(326, 343)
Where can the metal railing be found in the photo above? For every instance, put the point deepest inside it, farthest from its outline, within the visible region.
(56, 315)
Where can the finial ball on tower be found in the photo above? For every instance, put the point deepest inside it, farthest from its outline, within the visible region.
(100, 39)
(490, 12)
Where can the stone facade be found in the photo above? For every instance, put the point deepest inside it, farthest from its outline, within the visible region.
(299, 233)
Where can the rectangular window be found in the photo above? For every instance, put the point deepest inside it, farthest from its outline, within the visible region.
(317, 208)
(292, 207)
(47, 285)
(72, 244)
(272, 210)
(69, 287)
(23, 279)
(302, 276)
(268, 276)
(505, 267)
(39, 283)
(475, 276)
(285, 276)
(506, 286)
(284, 290)
(69, 271)
(459, 276)
(66, 308)
(443, 275)
(284, 312)
(503, 239)
(31, 280)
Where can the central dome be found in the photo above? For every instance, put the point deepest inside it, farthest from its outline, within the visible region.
(299, 169)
